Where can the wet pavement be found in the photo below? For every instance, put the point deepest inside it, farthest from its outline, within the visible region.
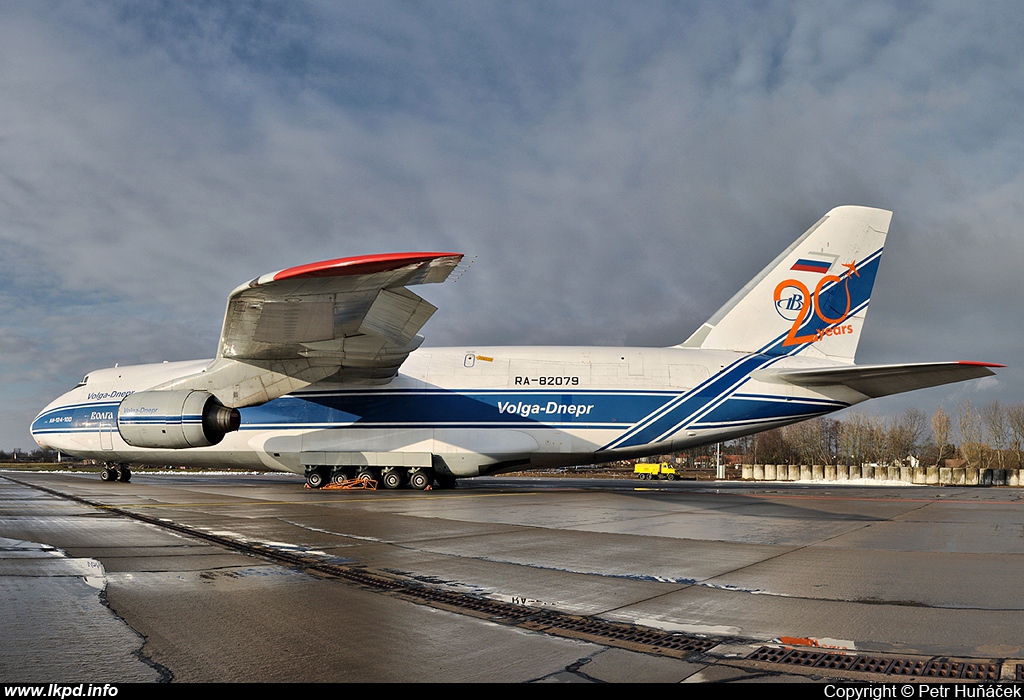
(102, 598)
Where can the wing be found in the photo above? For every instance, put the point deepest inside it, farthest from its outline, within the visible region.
(350, 319)
(882, 380)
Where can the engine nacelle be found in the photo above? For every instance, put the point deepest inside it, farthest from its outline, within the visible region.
(175, 419)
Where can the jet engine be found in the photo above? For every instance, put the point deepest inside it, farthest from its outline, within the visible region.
(175, 419)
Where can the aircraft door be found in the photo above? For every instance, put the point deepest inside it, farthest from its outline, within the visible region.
(106, 437)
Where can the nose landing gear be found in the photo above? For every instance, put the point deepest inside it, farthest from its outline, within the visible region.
(116, 472)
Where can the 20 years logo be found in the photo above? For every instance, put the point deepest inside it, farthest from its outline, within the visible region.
(794, 301)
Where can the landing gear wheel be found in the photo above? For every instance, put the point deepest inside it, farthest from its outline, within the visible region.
(419, 479)
(391, 478)
(316, 479)
(364, 474)
(108, 474)
(124, 474)
(338, 476)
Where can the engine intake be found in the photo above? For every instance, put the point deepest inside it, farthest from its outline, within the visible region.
(175, 419)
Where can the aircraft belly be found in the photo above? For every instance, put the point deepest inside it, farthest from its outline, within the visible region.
(463, 450)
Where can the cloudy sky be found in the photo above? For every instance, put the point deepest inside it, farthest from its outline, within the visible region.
(617, 169)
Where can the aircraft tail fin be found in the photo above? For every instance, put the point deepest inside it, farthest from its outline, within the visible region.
(812, 299)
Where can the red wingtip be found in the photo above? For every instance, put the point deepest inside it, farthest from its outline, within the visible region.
(359, 265)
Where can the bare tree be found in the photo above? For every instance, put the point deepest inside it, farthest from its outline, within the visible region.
(1015, 420)
(814, 441)
(903, 433)
(863, 439)
(860, 440)
(831, 433)
(941, 428)
(998, 429)
(972, 446)
(772, 448)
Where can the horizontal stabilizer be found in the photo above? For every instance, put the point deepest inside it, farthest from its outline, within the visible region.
(882, 380)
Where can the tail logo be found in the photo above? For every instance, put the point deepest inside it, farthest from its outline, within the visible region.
(792, 299)
(789, 301)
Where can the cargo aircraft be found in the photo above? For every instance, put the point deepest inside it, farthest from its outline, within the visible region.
(319, 372)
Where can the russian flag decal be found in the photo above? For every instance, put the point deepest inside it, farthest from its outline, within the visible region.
(809, 265)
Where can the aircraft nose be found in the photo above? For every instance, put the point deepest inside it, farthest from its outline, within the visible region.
(37, 435)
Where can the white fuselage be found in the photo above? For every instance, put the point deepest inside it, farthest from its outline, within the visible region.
(480, 410)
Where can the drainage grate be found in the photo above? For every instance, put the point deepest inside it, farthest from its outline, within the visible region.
(979, 672)
(630, 636)
(564, 624)
(492, 609)
(892, 666)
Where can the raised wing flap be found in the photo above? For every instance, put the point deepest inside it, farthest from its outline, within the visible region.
(396, 315)
(350, 319)
(882, 380)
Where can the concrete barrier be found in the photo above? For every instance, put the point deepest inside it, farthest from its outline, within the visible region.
(930, 475)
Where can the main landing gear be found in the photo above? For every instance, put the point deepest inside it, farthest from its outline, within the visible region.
(316, 478)
(392, 478)
(116, 472)
(419, 478)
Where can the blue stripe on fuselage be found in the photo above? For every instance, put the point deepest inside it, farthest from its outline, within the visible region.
(748, 409)
(688, 407)
(440, 407)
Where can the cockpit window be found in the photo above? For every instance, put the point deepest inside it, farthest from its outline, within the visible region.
(85, 380)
